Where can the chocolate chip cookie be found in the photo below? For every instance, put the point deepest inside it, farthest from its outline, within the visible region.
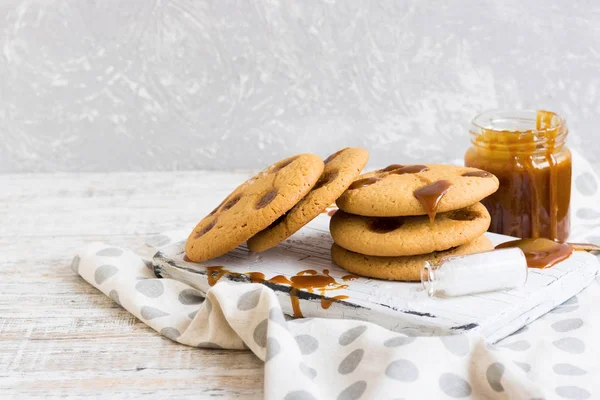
(406, 268)
(253, 206)
(341, 169)
(406, 236)
(401, 190)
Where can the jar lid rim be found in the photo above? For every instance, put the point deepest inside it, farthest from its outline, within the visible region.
(527, 114)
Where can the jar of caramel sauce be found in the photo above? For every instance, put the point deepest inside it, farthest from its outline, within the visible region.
(526, 150)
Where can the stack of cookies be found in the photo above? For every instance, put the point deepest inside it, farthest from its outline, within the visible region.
(393, 220)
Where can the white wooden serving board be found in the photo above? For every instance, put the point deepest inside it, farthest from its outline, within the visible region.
(399, 306)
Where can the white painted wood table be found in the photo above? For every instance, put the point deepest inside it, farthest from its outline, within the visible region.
(59, 336)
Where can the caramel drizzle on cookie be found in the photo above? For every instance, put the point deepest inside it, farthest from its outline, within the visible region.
(477, 174)
(430, 195)
(363, 183)
(397, 169)
(394, 169)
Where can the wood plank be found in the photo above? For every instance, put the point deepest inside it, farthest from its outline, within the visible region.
(59, 336)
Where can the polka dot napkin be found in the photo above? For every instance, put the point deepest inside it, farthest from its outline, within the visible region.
(555, 356)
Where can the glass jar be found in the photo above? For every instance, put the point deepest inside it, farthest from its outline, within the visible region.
(526, 150)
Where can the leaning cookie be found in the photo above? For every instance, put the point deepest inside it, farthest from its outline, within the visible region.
(400, 190)
(341, 169)
(253, 206)
(407, 236)
(407, 268)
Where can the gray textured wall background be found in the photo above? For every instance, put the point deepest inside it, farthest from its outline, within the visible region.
(131, 85)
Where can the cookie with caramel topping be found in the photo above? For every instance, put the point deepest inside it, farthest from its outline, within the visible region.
(407, 236)
(404, 268)
(401, 190)
(253, 206)
(341, 169)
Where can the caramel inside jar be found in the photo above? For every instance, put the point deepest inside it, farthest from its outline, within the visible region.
(526, 150)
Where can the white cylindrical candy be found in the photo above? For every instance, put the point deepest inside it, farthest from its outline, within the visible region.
(475, 273)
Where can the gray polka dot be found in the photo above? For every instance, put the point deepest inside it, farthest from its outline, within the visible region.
(308, 371)
(494, 376)
(273, 348)
(456, 344)
(402, 370)
(299, 395)
(209, 345)
(567, 325)
(587, 213)
(352, 334)
(353, 392)
(260, 333)
(114, 295)
(568, 369)
(351, 361)
(398, 341)
(570, 345)
(192, 315)
(276, 316)
(572, 392)
(307, 344)
(152, 288)
(190, 296)
(75, 264)
(520, 345)
(586, 184)
(110, 252)
(149, 313)
(454, 386)
(158, 241)
(524, 366)
(104, 272)
(170, 333)
(249, 300)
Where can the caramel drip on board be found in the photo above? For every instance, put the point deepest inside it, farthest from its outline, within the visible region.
(307, 272)
(347, 278)
(256, 277)
(280, 279)
(213, 274)
(295, 299)
(308, 279)
(326, 302)
(540, 253)
(429, 196)
(585, 247)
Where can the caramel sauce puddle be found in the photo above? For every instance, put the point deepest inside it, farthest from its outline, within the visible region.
(308, 279)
